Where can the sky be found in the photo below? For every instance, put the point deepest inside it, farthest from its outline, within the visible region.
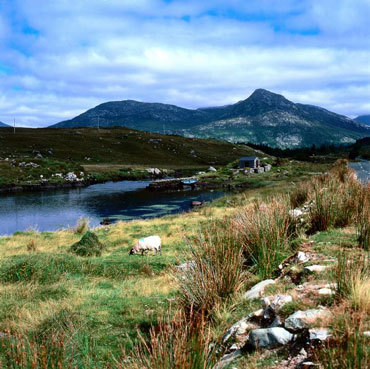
(59, 58)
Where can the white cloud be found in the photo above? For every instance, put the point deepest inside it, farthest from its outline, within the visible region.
(68, 56)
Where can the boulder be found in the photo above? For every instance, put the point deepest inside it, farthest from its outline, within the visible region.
(326, 292)
(239, 328)
(256, 291)
(303, 319)
(278, 302)
(302, 257)
(269, 337)
(212, 169)
(227, 359)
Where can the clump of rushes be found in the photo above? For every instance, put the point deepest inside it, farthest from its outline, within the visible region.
(265, 232)
(174, 344)
(217, 270)
(349, 347)
(31, 245)
(299, 196)
(352, 276)
(363, 219)
(334, 198)
(17, 352)
(82, 225)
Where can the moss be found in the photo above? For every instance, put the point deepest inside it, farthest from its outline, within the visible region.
(89, 245)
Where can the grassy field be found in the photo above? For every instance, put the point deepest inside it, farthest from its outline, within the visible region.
(87, 312)
(115, 153)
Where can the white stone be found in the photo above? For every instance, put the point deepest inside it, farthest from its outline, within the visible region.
(302, 257)
(295, 213)
(212, 169)
(366, 333)
(316, 268)
(269, 337)
(256, 291)
(325, 291)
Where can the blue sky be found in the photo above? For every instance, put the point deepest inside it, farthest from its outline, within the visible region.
(60, 58)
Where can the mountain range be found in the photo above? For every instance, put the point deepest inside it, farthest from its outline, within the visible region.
(363, 119)
(264, 118)
(3, 125)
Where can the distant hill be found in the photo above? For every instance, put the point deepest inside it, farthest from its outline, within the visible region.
(363, 119)
(3, 125)
(264, 118)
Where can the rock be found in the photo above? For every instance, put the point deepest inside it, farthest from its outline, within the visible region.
(326, 292)
(155, 171)
(316, 268)
(276, 323)
(302, 257)
(267, 167)
(186, 266)
(227, 359)
(259, 170)
(196, 204)
(212, 169)
(320, 334)
(309, 365)
(256, 291)
(239, 328)
(279, 301)
(295, 213)
(269, 337)
(303, 319)
(366, 333)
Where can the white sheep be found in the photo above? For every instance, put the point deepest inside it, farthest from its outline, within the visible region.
(151, 243)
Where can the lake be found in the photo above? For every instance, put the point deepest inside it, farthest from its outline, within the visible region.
(124, 200)
(362, 169)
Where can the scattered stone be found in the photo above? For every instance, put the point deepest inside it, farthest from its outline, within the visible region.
(186, 266)
(212, 169)
(366, 333)
(302, 257)
(269, 337)
(320, 334)
(295, 213)
(316, 268)
(303, 319)
(256, 291)
(154, 171)
(227, 359)
(240, 328)
(276, 322)
(326, 292)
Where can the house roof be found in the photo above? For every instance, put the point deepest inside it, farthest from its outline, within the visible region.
(248, 158)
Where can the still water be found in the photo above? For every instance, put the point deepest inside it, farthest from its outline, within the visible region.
(125, 200)
(362, 169)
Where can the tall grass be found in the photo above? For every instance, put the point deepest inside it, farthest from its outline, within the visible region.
(363, 219)
(217, 272)
(349, 347)
(174, 344)
(265, 232)
(352, 276)
(82, 225)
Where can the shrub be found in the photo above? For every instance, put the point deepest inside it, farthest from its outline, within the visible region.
(89, 245)
(31, 245)
(217, 271)
(82, 225)
(174, 344)
(265, 233)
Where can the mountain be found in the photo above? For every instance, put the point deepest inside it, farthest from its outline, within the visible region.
(3, 125)
(363, 119)
(264, 118)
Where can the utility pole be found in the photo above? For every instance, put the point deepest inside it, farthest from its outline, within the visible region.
(14, 124)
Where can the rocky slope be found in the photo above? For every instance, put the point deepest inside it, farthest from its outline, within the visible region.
(264, 117)
(363, 119)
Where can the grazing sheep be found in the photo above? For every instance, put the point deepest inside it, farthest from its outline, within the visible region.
(151, 243)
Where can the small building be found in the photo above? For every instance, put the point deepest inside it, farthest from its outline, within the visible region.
(249, 162)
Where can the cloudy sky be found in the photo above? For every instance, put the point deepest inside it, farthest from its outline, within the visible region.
(59, 58)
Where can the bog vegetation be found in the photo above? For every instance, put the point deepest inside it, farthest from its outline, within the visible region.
(63, 310)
